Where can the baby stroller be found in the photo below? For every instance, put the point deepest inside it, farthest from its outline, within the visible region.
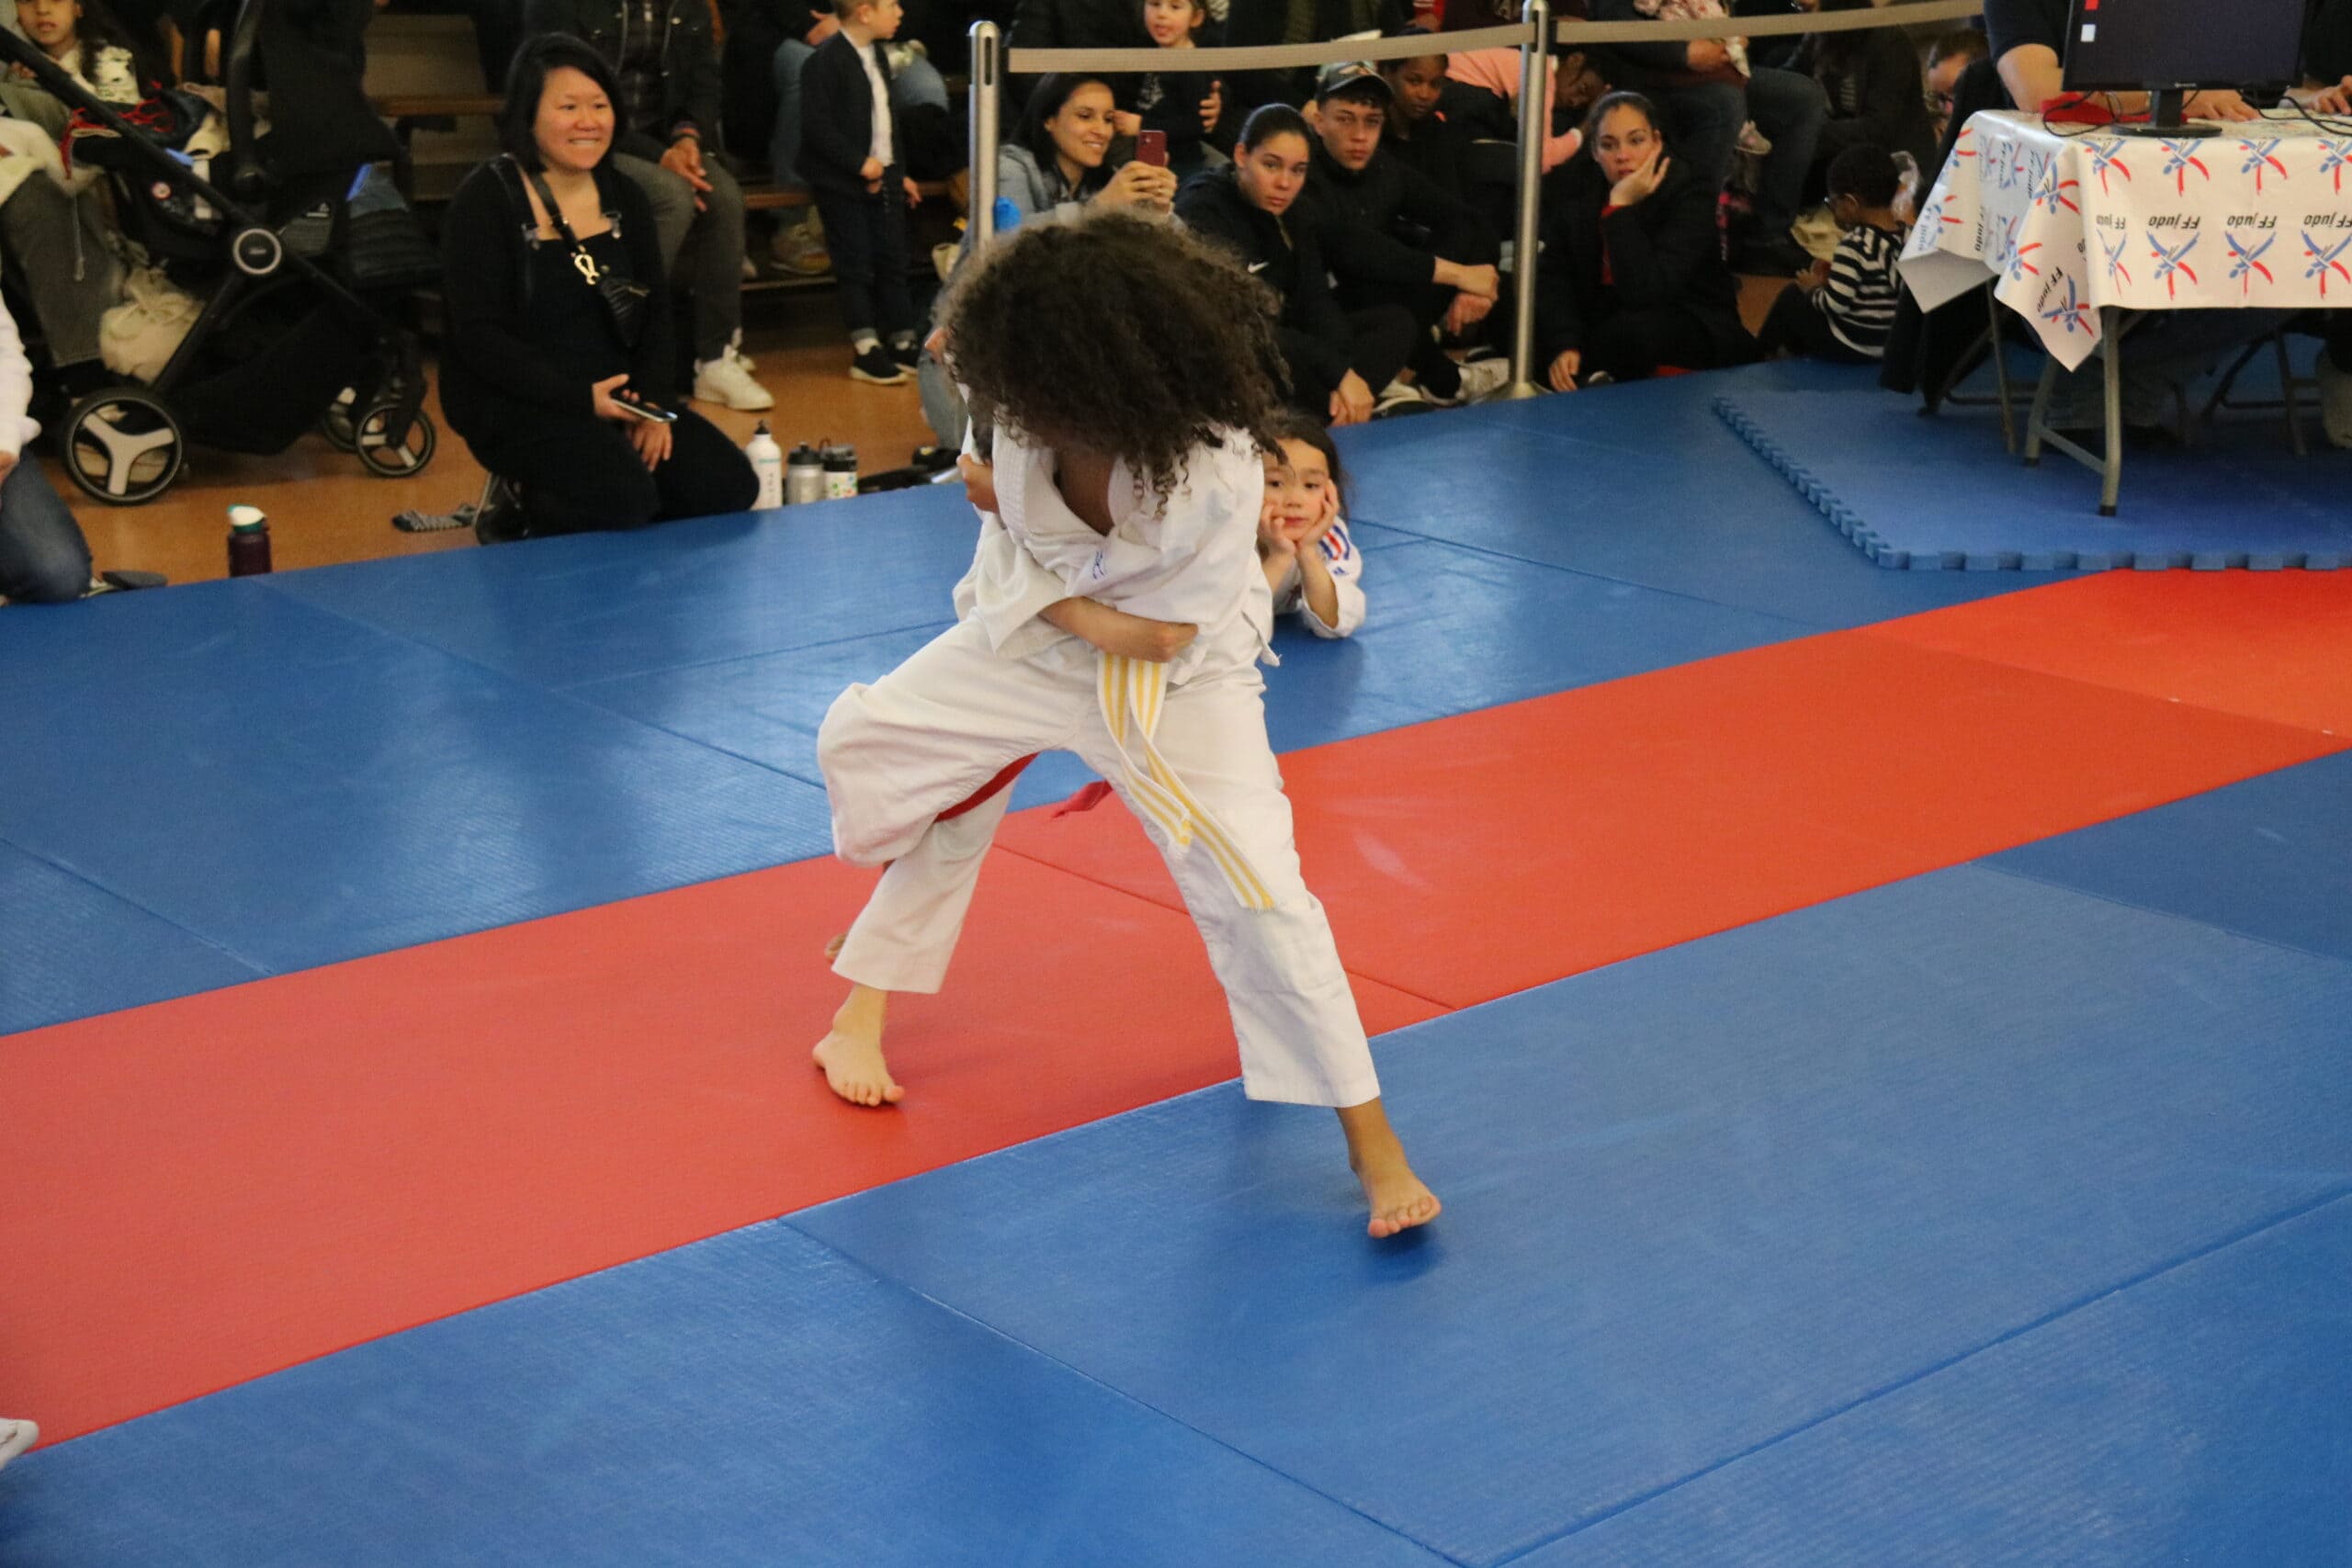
(287, 338)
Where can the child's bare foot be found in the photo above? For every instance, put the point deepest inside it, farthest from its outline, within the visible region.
(1400, 1201)
(850, 1053)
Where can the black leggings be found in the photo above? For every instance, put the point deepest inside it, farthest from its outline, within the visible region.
(579, 473)
(1427, 303)
(1631, 344)
(1797, 326)
(1380, 343)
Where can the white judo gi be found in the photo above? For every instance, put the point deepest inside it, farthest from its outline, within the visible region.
(1183, 744)
(1345, 563)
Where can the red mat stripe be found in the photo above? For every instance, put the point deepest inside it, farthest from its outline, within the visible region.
(233, 1182)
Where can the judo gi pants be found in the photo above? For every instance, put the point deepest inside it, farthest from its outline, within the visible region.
(923, 739)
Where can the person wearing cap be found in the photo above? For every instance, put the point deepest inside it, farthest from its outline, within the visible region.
(1343, 364)
(1395, 236)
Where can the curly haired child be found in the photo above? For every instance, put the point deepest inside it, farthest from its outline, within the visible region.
(1115, 608)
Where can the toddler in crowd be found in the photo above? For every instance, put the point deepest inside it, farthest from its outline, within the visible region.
(1181, 104)
(1842, 308)
(850, 159)
(91, 46)
(1311, 563)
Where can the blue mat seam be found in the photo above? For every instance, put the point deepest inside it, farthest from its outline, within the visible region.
(572, 688)
(1840, 516)
(1988, 863)
(1818, 494)
(2065, 1310)
(1112, 1389)
(260, 970)
(1804, 627)
(560, 693)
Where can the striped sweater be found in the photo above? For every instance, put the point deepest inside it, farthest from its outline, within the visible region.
(1860, 295)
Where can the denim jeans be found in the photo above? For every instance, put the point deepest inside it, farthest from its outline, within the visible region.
(702, 247)
(43, 558)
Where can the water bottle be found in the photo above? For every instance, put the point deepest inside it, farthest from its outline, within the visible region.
(248, 541)
(767, 463)
(840, 472)
(804, 476)
(1006, 217)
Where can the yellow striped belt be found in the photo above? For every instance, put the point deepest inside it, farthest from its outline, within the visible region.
(1133, 692)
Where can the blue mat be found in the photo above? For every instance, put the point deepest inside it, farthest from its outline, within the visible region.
(297, 788)
(1639, 484)
(1941, 494)
(591, 607)
(753, 1399)
(2197, 1417)
(2270, 857)
(1696, 1202)
(63, 941)
(1704, 1207)
(1450, 631)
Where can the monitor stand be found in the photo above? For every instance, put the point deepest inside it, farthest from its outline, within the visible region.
(2166, 108)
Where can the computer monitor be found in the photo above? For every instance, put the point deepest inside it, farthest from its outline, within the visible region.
(2173, 48)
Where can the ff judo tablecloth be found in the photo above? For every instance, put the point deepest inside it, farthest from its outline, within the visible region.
(2069, 221)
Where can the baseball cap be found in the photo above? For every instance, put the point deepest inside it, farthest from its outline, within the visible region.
(1343, 74)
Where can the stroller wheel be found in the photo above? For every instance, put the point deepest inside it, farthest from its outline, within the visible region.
(336, 423)
(388, 459)
(122, 446)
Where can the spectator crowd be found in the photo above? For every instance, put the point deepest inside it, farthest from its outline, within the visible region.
(611, 239)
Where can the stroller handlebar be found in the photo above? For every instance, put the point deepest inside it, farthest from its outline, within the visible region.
(245, 175)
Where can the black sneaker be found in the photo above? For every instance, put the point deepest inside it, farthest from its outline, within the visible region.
(908, 353)
(499, 518)
(875, 366)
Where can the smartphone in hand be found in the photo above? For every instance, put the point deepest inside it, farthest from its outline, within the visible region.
(636, 407)
(1151, 146)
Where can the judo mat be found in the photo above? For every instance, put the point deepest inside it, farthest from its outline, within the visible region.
(1943, 494)
(1746, 1240)
(1866, 1027)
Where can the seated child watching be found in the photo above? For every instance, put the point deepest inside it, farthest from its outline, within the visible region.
(1312, 565)
(1842, 308)
(851, 162)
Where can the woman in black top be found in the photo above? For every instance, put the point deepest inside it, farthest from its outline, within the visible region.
(1633, 276)
(540, 366)
(1337, 359)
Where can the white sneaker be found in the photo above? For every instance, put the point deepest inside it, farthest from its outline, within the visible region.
(735, 351)
(1400, 396)
(2335, 400)
(16, 1436)
(1482, 378)
(728, 384)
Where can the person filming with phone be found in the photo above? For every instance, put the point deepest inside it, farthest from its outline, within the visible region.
(1633, 276)
(561, 369)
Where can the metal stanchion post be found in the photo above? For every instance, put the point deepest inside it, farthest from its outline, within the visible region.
(1534, 79)
(987, 86)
